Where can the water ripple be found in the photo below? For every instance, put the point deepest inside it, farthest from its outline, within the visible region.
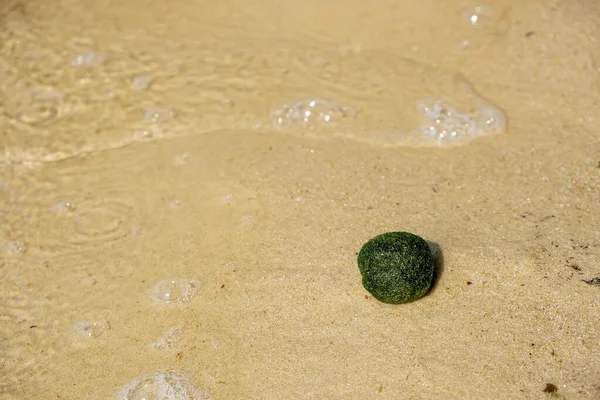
(101, 220)
(361, 95)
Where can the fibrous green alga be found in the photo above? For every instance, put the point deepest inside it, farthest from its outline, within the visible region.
(396, 267)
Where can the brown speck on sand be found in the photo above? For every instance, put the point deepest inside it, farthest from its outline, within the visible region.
(550, 388)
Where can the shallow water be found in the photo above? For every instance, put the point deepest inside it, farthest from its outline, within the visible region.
(185, 186)
(376, 98)
(69, 94)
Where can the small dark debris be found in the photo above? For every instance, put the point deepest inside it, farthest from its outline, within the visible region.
(550, 388)
(574, 266)
(33, 326)
(593, 281)
(547, 217)
(366, 297)
(580, 246)
(222, 286)
(469, 283)
(529, 33)
(380, 388)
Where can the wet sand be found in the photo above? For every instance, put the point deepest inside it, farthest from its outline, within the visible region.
(138, 146)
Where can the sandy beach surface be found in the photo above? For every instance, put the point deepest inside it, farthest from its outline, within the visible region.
(185, 186)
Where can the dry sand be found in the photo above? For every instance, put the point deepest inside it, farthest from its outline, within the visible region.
(98, 205)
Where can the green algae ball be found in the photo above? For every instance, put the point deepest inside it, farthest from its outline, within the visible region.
(396, 267)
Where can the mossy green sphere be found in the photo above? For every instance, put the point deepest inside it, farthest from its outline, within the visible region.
(396, 267)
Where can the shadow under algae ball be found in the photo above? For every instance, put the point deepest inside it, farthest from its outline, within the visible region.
(396, 267)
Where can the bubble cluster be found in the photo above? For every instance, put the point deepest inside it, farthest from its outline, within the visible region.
(372, 97)
(91, 329)
(162, 386)
(445, 124)
(175, 290)
(311, 113)
(153, 118)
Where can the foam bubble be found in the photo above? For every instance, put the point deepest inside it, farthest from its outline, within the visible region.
(13, 247)
(156, 114)
(141, 82)
(175, 290)
(175, 204)
(63, 207)
(311, 113)
(91, 329)
(162, 386)
(89, 58)
(480, 24)
(143, 135)
(226, 198)
(445, 124)
(181, 159)
(482, 15)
